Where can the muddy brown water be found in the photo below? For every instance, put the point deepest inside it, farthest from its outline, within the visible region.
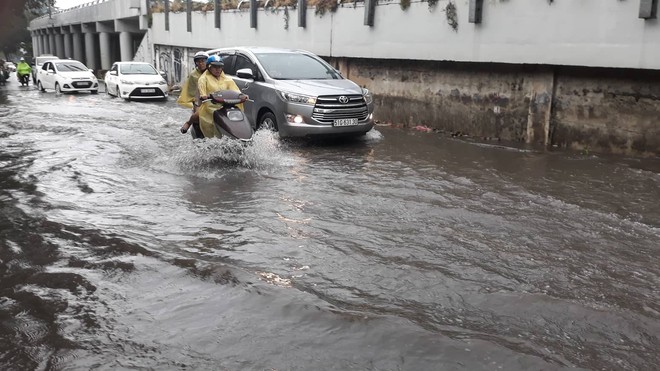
(124, 245)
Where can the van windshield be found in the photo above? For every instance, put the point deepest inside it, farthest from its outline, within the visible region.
(296, 66)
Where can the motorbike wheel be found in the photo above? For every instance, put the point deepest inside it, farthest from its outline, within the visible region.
(268, 122)
(41, 88)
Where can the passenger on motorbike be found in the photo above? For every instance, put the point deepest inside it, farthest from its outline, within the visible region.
(189, 97)
(23, 69)
(212, 80)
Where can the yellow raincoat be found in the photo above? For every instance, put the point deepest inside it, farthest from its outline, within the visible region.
(189, 90)
(206, 85)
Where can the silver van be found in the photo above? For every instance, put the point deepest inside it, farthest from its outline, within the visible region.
(297, 93)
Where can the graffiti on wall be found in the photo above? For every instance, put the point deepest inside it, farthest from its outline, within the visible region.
(176, 62)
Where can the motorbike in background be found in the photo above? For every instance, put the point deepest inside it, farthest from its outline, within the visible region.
(229, 119)
(23, 78)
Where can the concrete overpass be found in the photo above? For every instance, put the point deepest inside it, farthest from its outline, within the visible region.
(97, 33)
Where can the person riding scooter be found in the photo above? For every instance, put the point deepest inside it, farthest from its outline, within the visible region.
(23, 71)
(213, 79)
(189, 97)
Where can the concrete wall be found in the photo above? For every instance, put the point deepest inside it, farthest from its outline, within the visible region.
(594, 33)
(599, 110)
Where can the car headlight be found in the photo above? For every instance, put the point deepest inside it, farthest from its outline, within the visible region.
(126, 82)
(368, 97)
(297, 98)
(162, 82)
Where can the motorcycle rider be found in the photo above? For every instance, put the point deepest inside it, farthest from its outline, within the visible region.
(189, 97)
(212, 80)
(23, 69)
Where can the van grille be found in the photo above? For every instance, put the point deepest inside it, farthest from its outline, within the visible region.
(329, 108)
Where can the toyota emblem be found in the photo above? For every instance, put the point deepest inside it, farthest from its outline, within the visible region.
(343, 99)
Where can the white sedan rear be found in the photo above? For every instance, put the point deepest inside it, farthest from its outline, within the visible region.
(66, 75)
(135, 80)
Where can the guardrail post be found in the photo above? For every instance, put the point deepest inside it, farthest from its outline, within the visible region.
(476, 7)
(648, 9)
(302, 13)
(167, 15)
(369, 10)
(189, 15)
(254, 6)
(217, 11)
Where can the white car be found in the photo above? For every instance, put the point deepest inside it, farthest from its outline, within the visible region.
(11, 67)
(135, 80)
(66, 75)
(38, 63)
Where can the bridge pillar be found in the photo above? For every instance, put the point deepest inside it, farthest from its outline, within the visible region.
(77, 45)
(41, 40)
(51, 42)
(104, 44)
(59, 43)
(68, 45)
(126, 46)
(35, 44)
(90, 60)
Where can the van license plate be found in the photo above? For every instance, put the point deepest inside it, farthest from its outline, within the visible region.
(345, 122)
(148, 90)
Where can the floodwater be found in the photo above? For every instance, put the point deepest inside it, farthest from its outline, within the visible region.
(124, 245)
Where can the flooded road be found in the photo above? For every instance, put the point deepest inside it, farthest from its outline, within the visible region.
(124, 245)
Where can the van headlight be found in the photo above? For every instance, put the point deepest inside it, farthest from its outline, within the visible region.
(368, 97)
(298, 98)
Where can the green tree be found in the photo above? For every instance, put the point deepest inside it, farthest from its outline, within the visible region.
(15, 16)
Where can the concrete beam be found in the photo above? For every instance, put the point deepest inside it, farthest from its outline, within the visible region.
(126, 25)
(105, 26)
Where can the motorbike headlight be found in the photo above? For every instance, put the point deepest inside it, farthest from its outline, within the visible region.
(297, 98)
(368, 97)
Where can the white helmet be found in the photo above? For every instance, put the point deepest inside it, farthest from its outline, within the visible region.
(200, 55)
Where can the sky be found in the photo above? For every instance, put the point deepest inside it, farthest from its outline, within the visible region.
(65, 4)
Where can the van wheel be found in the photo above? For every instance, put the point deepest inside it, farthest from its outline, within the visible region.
(268, 122)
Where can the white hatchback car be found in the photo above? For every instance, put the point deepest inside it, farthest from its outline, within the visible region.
(66, 75)
(135, 80)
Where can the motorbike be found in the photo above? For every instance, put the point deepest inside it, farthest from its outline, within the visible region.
(229, 119)
(23, 78)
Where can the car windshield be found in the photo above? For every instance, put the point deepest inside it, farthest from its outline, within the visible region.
(71, 67)
(296, 66)
(42, 60)
(137, 69)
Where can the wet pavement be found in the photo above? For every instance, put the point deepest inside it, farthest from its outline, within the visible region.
(126, 245)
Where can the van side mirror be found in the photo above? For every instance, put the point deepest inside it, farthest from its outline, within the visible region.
(245, 73)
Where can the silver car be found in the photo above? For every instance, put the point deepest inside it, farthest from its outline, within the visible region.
(297, 93)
